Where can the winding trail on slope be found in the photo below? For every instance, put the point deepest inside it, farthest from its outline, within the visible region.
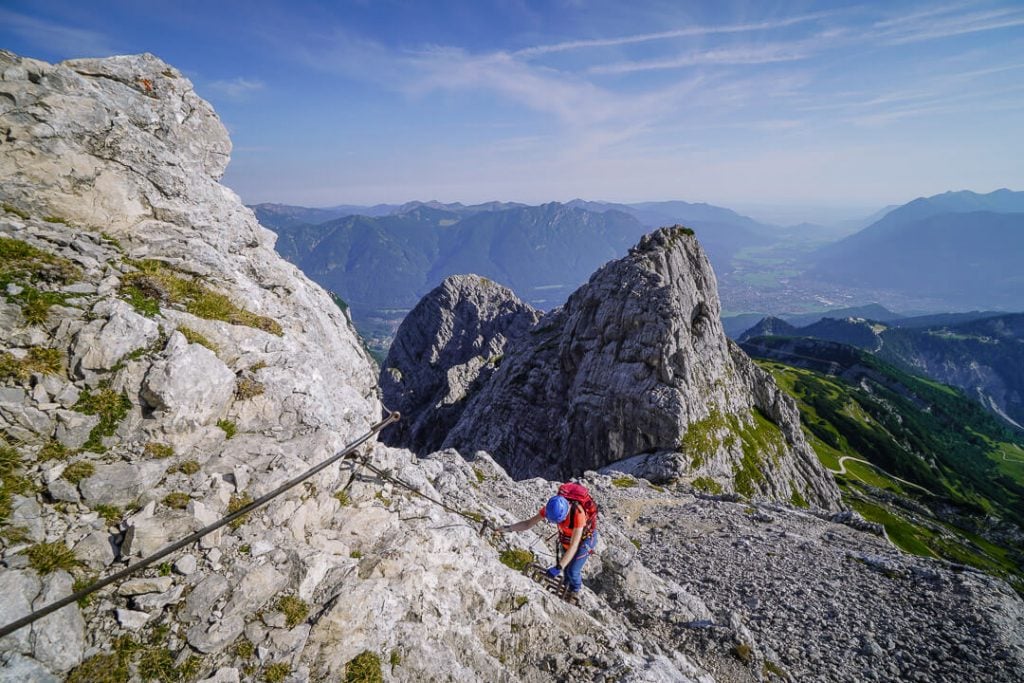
(842, 470)
(1009, 459)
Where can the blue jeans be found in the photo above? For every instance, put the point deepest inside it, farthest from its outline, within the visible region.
(573, 572)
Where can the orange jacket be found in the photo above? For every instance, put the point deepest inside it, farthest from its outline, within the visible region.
(575, 519)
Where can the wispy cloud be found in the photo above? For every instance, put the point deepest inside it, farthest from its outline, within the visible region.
(236, 88)
(946, 22)
(688, 32)
(722, 56)
(572, 100)
(997, 99)
(597, 114)
(59, 38)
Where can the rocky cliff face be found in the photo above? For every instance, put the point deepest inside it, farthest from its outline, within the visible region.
(446, 348)
(160, 366)
(636, 366)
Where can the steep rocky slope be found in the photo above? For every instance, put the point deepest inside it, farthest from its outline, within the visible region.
(160, 367)
(636, 365)
(448, 346)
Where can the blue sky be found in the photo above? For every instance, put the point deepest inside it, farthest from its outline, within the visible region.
(854, 104)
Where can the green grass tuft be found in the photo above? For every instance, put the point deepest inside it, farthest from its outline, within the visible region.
(229, 427)
(516, 558)
(80, 583)
(53, 450)
(624, 482)
(158, 450)
(111, 513)
(23, 215)
(276, 672)
(177, 500)
(47, 558)
(237, 502)
(194, 337)
(246, 388)
(294, 610)
(797, 500)
(44, 361)
(140, 301)
(77, 471)
(707, 485)
(25, 265)
(189, 467)
(245, 649)
(101, 668)
(157, 281)
(111, 406)
(364, 668)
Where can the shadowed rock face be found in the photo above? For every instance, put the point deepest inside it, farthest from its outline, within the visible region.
(447, 346)
(636, 364)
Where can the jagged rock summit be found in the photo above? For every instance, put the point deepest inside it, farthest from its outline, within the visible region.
(636, 367)
(447, 346)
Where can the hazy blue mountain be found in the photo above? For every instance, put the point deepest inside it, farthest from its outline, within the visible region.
(962, 202)
(389, 262)
(851, 331)
(360, 210)
(541, 252)
(870, 311)
(376, 262)
(769, 327)
(941, 247)
(275, 216)
(735, 325)
(665, 213)
(722, 232)
(457, 207)
(940, 319)
(740, 326)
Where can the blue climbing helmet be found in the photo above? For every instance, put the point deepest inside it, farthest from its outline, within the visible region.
(557, 509)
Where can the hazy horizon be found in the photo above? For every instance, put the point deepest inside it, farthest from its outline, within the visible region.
(734, 104)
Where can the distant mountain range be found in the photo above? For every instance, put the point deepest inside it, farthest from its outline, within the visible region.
(380, 260)
(953, 251)
(722, 231)
(984, 356)
(390, 261)
(961, 247)
(736, 325)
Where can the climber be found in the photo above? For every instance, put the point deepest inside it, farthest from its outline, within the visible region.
(575, 513)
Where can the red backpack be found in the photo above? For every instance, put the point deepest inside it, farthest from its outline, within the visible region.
(577, 494)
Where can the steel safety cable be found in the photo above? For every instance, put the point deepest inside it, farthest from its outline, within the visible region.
(164, 552)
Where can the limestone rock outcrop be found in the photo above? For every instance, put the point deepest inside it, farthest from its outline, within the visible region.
(160, 365)
(636, 366)
(446, 348)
